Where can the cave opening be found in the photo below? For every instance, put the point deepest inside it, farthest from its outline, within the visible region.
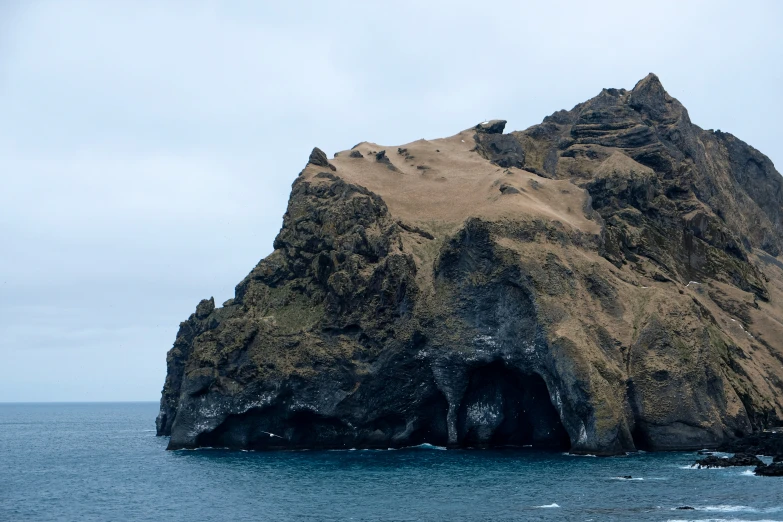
(503, 406)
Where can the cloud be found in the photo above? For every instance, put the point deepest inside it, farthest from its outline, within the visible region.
(147, 148)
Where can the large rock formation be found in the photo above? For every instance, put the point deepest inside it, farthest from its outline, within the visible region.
(605, 281)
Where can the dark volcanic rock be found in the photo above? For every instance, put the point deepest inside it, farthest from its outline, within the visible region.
(762, 443)
(319, 159)
(617, 290)
(740, 459)
(501, 149)
(491, 127)
(508, 189)
(772, 470)
(382, 158)
(648, 168)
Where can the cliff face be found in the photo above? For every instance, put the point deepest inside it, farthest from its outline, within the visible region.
(605, 281)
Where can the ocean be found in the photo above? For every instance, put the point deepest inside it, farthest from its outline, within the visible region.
(103, 462)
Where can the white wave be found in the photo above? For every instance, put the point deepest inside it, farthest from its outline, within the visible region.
(720, 520)
(203, 448)
(429, 446)
(548, 506)
(727, 509)
(748, 473)
(272, 434)
(578, 455)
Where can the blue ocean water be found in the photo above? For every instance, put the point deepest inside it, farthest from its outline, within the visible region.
(103, 462)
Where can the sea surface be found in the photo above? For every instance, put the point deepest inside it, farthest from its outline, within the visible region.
(103, 462)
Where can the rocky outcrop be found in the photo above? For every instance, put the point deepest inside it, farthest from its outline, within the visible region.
(770, 470)
(501, 149)
(603, 282)
(740, 459)
(768, 443)
(318, 158)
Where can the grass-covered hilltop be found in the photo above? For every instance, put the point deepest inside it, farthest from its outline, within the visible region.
(607, 280)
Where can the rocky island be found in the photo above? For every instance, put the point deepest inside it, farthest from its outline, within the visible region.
(605, 281)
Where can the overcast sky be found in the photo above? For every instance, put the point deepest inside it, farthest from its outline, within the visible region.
(147, 148)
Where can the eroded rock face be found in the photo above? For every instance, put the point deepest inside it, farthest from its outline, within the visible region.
(603, 282)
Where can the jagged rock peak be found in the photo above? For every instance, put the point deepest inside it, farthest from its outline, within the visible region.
(651, 81)
(650, 97)
(491, 127)
(205, 307)
(319, 159)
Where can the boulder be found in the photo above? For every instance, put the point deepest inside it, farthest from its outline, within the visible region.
(491, 127)
(319, 159)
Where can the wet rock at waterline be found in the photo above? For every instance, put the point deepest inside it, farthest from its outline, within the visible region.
(771, 470)
(740, 459)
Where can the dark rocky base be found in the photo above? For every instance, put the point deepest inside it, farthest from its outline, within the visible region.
(499, 409)
(762, 443)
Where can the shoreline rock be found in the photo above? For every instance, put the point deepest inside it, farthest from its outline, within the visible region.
(770, 470)
(740, 459)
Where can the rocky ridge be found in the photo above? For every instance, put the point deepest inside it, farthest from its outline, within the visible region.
(605, 281)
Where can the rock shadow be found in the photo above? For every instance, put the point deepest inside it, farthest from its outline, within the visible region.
(504, 406)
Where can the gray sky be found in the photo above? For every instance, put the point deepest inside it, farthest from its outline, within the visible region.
(147, 148)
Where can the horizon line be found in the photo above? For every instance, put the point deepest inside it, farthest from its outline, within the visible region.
(79, 402)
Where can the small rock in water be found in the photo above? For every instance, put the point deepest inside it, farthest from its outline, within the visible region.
(773, 470)
(740, 459)
(686, 508)
(627, 477)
